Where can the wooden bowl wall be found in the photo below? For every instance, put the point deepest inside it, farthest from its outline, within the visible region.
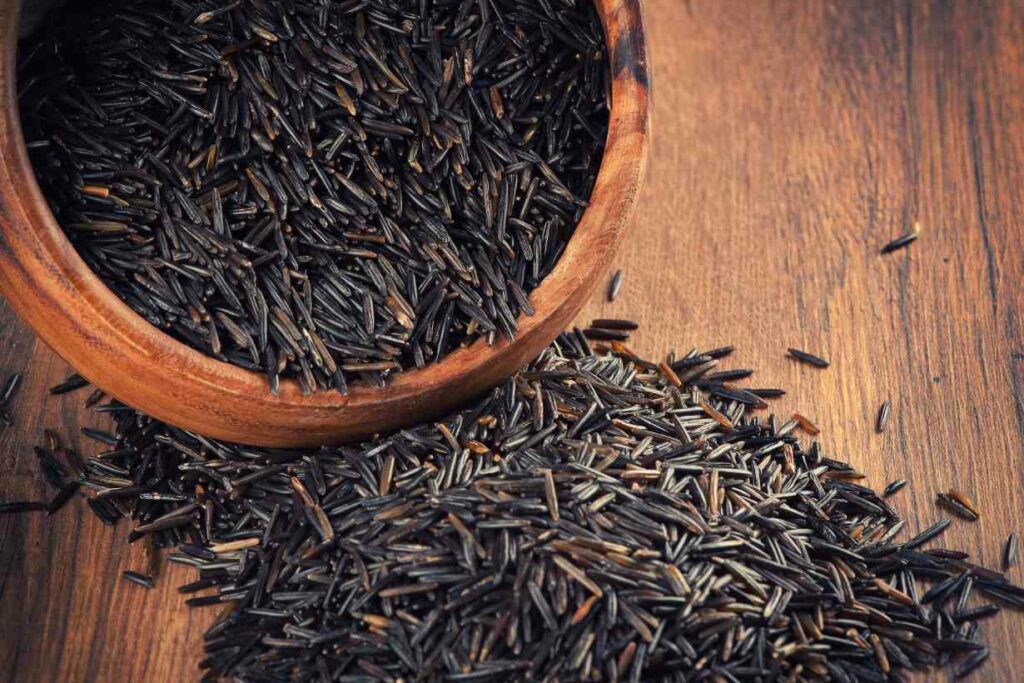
(74, 312)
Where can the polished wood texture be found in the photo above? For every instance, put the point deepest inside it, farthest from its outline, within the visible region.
(792, 140)
(50, 286)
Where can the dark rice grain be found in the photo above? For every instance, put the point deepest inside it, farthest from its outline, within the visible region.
(7, 395)
(894, 486)
(137, 578)
(808, 358)
(1010, 551)
(19, 506)
(883, 416)
(615, 285)
(901, 241)
(72, 383)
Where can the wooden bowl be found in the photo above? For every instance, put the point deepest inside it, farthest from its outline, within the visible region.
(73, 311)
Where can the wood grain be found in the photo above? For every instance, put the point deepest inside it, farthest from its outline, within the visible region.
(69, 307)
(792, 140)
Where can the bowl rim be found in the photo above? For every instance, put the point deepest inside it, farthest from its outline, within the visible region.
(68, 306)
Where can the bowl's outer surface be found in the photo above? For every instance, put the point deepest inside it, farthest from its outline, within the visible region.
(50, 286)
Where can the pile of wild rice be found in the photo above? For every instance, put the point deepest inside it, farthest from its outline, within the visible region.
(596, 518)
(320, 189)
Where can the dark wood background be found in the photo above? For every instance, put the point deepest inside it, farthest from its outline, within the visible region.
(792, 140)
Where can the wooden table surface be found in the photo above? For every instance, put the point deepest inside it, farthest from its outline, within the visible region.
(792, 140)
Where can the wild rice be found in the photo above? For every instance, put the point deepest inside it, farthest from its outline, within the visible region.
(72, 383)
(615, 285)
(7, 396)
(955, 504)
(589, 519)
(19, 506)
(806, 424)
(615, 324)
(893, 487)
(808, 358)
(137, 578)
(883, 416)
(323, 190)
(902, 241)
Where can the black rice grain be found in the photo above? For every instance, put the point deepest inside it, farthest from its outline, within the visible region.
(883, 416)
(66, 493)
(959, 504)
(137, 578)
(19, 506)
(615, 285)
(894, 486)
(72, 383)
(808, 358)
(615, 324)
(602, 334)
(7, 395)
(901, 241)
